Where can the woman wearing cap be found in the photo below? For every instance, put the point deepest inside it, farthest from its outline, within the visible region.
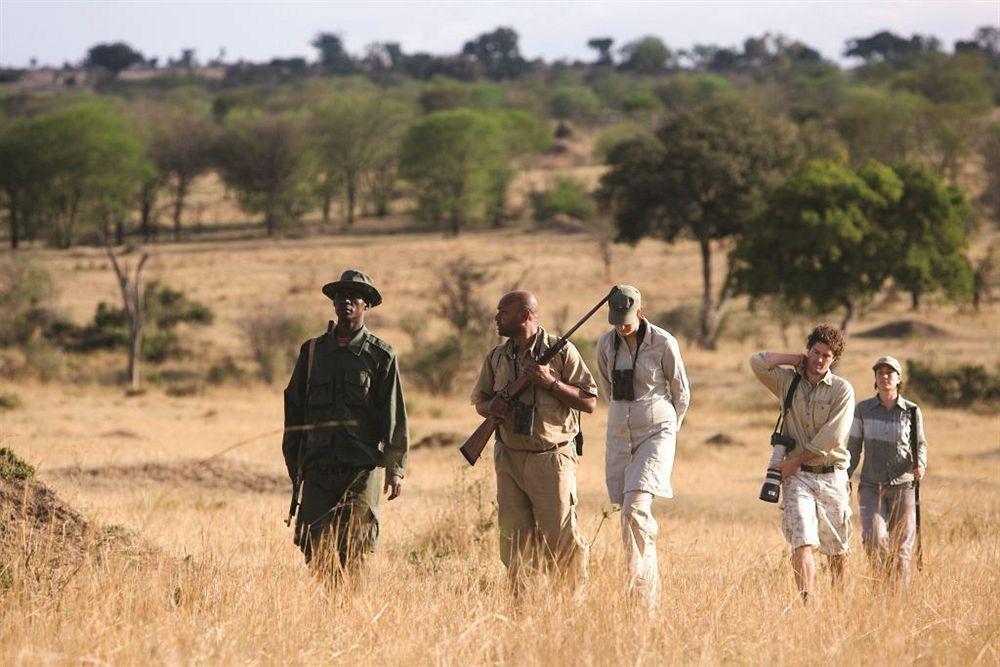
(883, 429)
(642, 376)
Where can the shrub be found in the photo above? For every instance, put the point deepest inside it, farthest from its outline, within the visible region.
(620, 133)
(959, 386)
(225, 370)
(165, 309)
(568, 197)
(26, 294)
(642, 99)
(274, 339)
(10, 401)
(13, 467)
(682, 321)
(435, 366)
(459, 302)
(574, 103)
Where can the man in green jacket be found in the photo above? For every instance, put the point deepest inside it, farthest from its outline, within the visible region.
(345, 421)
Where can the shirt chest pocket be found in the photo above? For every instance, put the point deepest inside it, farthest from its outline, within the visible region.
(357, 387)
(821, 412)
(320, 394)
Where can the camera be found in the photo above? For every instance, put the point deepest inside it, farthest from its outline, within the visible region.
(623, 385)
(770, 491)
(524, 418)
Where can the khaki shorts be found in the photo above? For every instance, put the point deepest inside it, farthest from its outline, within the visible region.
(816, 511)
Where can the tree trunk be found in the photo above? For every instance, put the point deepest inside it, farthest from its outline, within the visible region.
(352, 194)
(120, 232)
(327, 201)
(182, 188)
(848, 316)
(915, 300)
(14, 224)
(132, 300)
(145, 214)
(709, 317)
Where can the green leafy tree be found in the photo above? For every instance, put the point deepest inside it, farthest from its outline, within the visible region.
(821, 242)
(990, 151)
(263, 159)
(648, 55)
(456, 160)
(353, 134)
(705, 175)
(498, 54)
(72, 169)
(603, 47)
(333, 58)
(879, 124)
(113, 57)
(574, 102)
(928, 226)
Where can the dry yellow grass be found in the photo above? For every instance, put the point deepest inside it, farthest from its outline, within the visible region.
(229, 587)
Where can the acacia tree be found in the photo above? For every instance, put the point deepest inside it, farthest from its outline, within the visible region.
(113, 57)
(456, 160)
(355, 136)
(182, 151)
(821, 241)
(70, 169)
(704, 175)
(928, 226)
(261, 157)
(130, 285)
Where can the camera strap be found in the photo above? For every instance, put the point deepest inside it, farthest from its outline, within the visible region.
(789, 395)
(638, 344)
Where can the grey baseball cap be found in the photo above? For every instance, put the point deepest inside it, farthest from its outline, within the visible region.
(891, 362)
(623, 305)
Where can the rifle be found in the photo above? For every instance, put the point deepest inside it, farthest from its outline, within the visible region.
(916, 483)
(473, 448)
(293, 509)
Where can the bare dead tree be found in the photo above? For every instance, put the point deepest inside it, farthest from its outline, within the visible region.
(131, 289)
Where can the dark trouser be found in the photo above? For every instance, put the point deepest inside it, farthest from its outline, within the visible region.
(889, 526)
(337, 523)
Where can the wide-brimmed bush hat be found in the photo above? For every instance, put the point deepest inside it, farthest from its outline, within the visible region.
(354, 280)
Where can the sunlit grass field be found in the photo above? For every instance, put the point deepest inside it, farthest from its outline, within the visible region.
(219, 581)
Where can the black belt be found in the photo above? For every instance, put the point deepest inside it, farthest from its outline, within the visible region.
(819, 470)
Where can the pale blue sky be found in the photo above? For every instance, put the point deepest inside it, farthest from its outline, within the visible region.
(57, 31)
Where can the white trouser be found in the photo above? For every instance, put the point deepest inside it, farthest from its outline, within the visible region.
(639, 532)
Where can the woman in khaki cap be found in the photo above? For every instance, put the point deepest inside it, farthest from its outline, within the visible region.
(643, 379)
(889, 430)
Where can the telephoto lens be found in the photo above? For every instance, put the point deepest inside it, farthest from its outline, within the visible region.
(770, 492)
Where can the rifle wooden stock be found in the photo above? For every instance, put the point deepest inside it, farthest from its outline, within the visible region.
(473, 448)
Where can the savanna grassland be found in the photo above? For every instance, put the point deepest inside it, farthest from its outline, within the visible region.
(209, 573)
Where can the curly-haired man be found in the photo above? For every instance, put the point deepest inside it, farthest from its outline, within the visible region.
(816, 510)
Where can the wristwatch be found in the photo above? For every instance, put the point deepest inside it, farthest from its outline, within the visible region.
(553, 385)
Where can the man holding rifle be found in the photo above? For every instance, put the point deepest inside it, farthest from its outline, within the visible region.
(535, 451)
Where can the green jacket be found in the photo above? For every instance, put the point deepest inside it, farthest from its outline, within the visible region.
(356, 385)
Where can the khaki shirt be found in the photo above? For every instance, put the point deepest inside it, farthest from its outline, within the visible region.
(820, 417)
(554, 422)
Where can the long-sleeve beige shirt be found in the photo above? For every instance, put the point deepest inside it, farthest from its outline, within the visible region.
(820, 416)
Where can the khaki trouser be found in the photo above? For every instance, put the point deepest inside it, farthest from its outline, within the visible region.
(888, 526)
(639, 531)
(536, 498)
(337, 523)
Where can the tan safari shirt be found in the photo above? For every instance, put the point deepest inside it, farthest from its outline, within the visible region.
(554, 422)
(820, 417)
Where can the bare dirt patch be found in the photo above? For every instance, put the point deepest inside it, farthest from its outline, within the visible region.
(217, 474)
(905, 329)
